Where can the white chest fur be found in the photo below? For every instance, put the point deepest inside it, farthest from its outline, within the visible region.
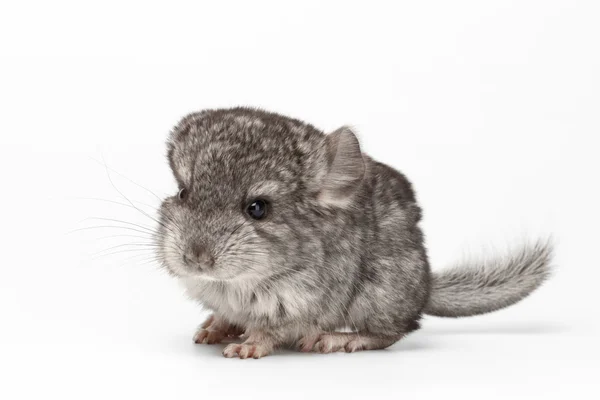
(245, 301)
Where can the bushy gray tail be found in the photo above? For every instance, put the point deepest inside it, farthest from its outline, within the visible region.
(479, 289)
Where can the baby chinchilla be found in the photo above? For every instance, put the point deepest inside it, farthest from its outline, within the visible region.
(296, 238)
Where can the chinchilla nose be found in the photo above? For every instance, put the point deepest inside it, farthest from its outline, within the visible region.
(199, 256)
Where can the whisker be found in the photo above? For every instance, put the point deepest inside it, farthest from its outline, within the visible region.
(119, 221)
(116, 202)
(108, 226)
(154, 208)
(114, 236)
(102, 255)
(148, 246)
(129, 201)
(126, 178)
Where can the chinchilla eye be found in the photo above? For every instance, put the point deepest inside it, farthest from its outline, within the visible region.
(182, 194)
(257, 209)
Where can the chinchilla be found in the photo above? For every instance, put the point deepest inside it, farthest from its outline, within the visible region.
(293, 237)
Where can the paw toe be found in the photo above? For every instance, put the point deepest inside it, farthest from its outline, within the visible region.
(353, 346)
(307, 343)
(247, 351)
(259, 352)
(232, 350)
(200, 336)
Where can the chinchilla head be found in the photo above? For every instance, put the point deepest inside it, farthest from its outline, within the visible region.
(258, 194)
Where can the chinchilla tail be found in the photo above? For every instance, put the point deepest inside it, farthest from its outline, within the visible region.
(474, 289)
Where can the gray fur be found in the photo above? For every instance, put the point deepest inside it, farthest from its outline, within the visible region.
(340, 248)
(497, 284)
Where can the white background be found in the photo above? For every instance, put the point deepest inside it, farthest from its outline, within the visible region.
(490, 107)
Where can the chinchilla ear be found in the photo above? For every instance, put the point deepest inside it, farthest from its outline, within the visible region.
(346, 168)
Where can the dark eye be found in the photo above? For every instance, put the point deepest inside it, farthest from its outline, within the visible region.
(257, 209)
(182, 194)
